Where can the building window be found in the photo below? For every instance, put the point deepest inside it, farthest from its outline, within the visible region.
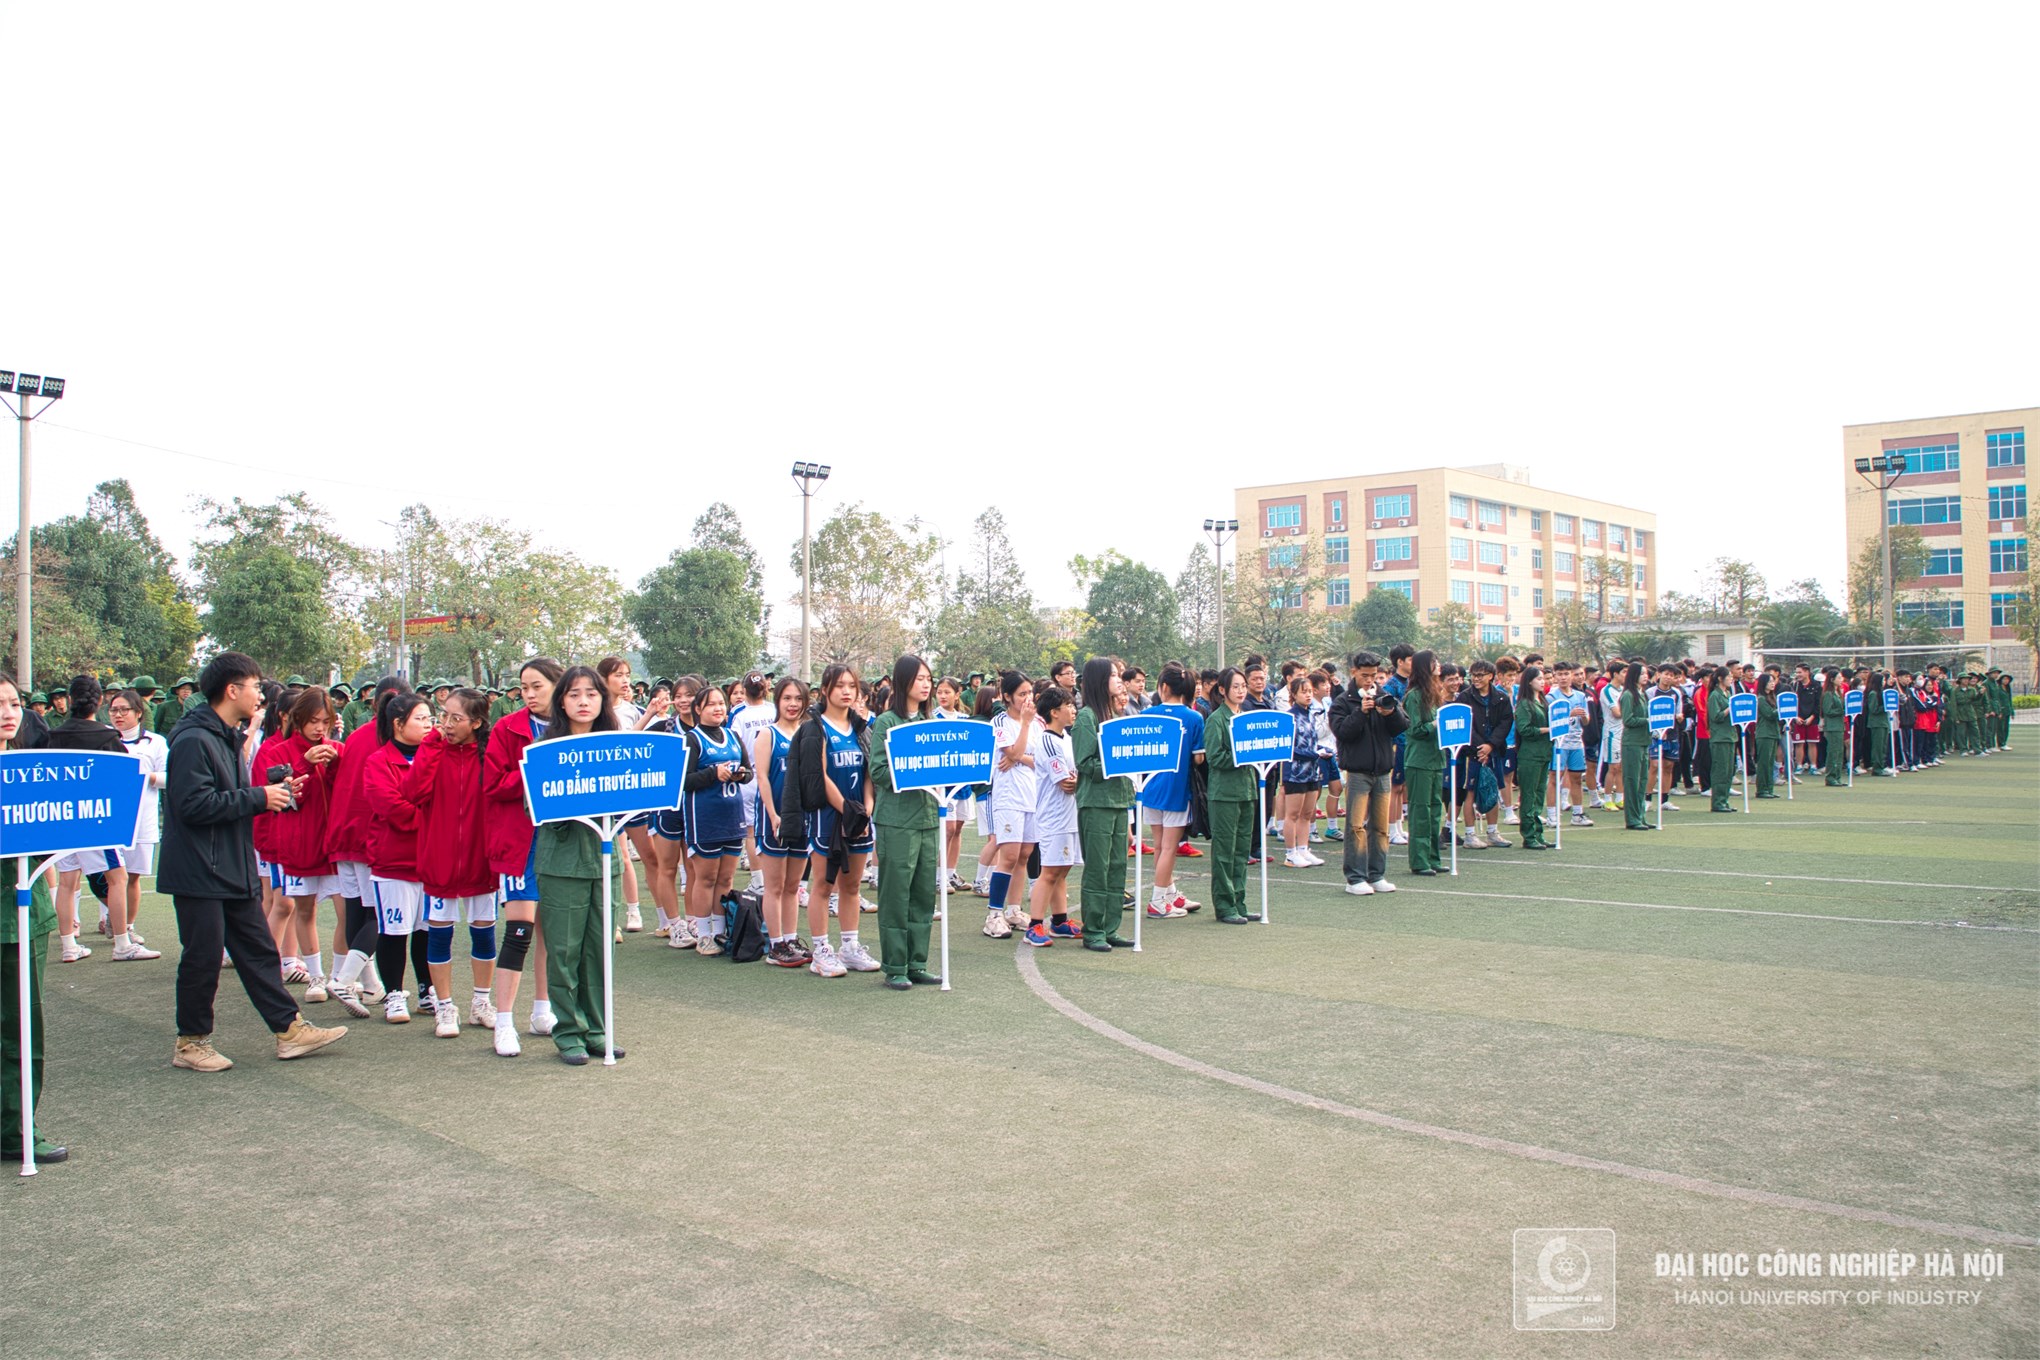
(1563, 563)
(1717, 644)
(1932, 458)
(1285, 555)
(1537, 637)
(1592, 600)
(1564, 594)
(1462, 592)
(1460, 549)
(1392, 549)
(1537, 597)
(1285, 517)
(2004, 609)
(1458, 508)
(2007, 502)
(1618, 605)
(1536, 521)
(1937, 509)
(2007, 448)
(1516, 592)
(1943, 562)
(1642, 540)
(1492, 594)
(1537, 559)
(1338, 550)
(1618, 538)
(1591, 530)
(1291, 598)
(1490, 513)
(1492, 554)
(1944, 613)
(1639, 578)
(2007, 554)
(1339, 593)
(1402, 588)
(1338, 509)
(1490, 633)
(1562, 525)
(1391, 507)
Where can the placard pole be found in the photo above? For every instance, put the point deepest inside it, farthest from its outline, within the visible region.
(1791, 761)
(1849, 747)
(1657, 773)
(1133, 816)
(942, 873)
(1748, 776)
(22, 898)
(605, 827)
(1452, 807)
(1260, 803)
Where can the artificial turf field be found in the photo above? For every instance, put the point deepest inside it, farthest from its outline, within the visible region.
(1812, 1029)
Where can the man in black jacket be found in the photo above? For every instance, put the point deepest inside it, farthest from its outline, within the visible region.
(1493, 716)
(1366, 720)
(208, 868)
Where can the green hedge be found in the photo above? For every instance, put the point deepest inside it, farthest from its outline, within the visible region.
(2025, 701)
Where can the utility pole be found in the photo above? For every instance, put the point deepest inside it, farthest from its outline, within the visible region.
(809, 476)
(1883, 472)
(1220, 530)
(25, 387)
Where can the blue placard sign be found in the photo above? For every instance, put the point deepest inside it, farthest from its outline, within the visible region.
(54, 802)
(1852, 704)
(1664, 712)
(1143, 743)
(1788, 706)
(1742, 709)
(603, 774)
(1891, 701)
(1264, 736)
(1455, 726)
(941, 753)
(1558, 714)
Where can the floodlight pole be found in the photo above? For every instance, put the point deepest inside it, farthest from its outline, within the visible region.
(1220, 530)
(807, 475)
(1887, 469)
(24, 554)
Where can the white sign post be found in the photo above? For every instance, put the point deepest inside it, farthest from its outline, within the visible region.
(938, 757)
(1138, 747)
(1788, 711)
(1455, 734)
(1263, 738)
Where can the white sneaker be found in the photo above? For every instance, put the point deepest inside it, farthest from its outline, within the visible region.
(1469, 841)
(708, 946)
(428, 999)
(1314, 860)
(997, 927)
(832, 904)
(320, 989)
(857, 958)
(349, 999)
(825, 963)
(1360, 889)
(867, 908)
(295, 973)
(1294, 859)
(446, 1021)
(506, 1041)
(1580, 819)
(73, 951)
(371, 985)
(1382, 885)
(870, 875)
(800, 898)
(482, 1011)
(394, 1009)
(679, 934)
(633, 919)
(132, 951)
(1398, 836)
(106, 923)
(135, 935)
(1509, 817)
(1016, 916)
(543, 1023)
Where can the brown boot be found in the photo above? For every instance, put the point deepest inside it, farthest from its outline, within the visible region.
(303, 1037)
(195, 1052)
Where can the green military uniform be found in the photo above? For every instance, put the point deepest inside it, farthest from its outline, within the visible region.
(1834, 735)
(1721, 744)
(570, 920)
(905, 830)
(1533, 765)
(172, 708)
(358, 714)
(1635, 710)
(1877, 727)
(1962, 708)
(2000, 692)
(1101, 831)
(1768, 735)
(1229, 798)
(42, 923)
(505, 706)
(1423, 783)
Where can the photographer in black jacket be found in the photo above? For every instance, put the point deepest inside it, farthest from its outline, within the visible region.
(1493, 716)
(1366, 719)
(208, 868)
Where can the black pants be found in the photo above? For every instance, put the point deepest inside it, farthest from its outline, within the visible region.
(204, 926)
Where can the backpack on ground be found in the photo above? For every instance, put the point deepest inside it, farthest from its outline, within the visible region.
(744, 939)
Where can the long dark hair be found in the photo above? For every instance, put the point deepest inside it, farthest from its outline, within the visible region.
(1530, 683)
(1424, 678)
(1224, 684)
(396, 709)
(605, 716)
(272, 712)
(475, 705)
(830, 676)
(1632, 679)
(1096, 685)
(905, 672)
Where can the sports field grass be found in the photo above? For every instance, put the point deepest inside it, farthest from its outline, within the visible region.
(1811, 1030)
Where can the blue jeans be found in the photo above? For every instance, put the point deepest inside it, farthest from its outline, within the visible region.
(1365, 857)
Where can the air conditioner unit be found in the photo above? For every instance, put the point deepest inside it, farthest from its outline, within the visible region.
(1375, 525)
(1379, 565)
(1267, 533)
(1402, 524)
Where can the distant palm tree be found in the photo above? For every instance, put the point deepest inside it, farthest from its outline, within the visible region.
(1653, 644)
(1777, 627)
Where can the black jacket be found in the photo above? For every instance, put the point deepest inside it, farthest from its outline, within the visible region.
(806, 773)
(1367, 740)
(84, 734)
(1491, 717)
(209, 813)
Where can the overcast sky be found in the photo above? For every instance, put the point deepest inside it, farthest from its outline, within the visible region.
(590, 267)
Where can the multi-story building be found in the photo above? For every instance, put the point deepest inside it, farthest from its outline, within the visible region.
(1483, 537)
(1964, 489)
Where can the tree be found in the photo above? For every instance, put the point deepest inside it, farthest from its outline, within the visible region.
(1599, 575)
(719, 527)
(1271, 611)
(1381, 620)
(1572, 632)
(1909, 556)
(1451, 631)
(1134, 615)
(697, 613)
(67, 640)
(870, 586)
(1734, 588)
(251, 544)
(1807, 590)
(1653, 644)
(1786, 624)
(1197, 596)
(990, 620)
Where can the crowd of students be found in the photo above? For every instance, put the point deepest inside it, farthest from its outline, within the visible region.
(406, 810)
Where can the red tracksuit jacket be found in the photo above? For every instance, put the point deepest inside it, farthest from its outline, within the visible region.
(392, 819)
(445, 785)
(297, 836)
(506, 821)
(347, 813)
